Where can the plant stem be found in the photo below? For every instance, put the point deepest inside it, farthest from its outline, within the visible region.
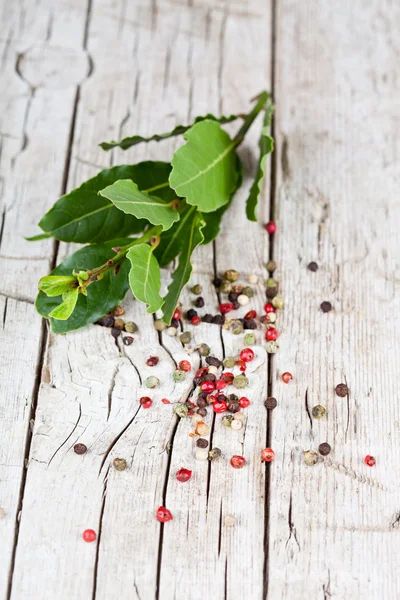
(250, 117)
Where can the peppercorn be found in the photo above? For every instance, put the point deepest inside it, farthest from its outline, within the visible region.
(229, 362)
(225, 287)
(80, 449)
(271, 292)
(214, 454)
(271, 266)
(326, 306)
(233, 296)
(233, 407)
(237, 462)
(312, 266)
(248, 291)
(370, 460)
(89, 535)
(271, 283)
(202, 443)
(270, 403)
(181, 410)
(202, 429)
(250, 324)
(252, 278)
(217, 282)
(243, 299)
(158, 324)
(145, 401)
(191, 313)
(195, 320)
(207, 318)
(270, 227)
(201, 402)
(197, 289)
(152, 382)
(233, 398)
(247, 354)
(107, 321)
(115, 332)
(183, 475)
(341, 390)
(202, 412)
(213, 360)
(171, 331)
(236, 424)
(286, 377)
(324, 449)
(310, 458)
(203, 349)
(227, 420)
(174, 323)
(249, 339)
(231, 275)
(119, 323)
(278, 302)
(185, 337)
(201, 454)
(267, 455)
(236, 327)
(163, 515)
(272, 347)
(271, 317)
(127, 340)
(199, 302)
(131, 327)
(218, 319)
(152, 361)
(120, 464)
(271, 334)
(318, 412)
(179, 375)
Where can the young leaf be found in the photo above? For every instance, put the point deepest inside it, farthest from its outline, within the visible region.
(178, 130)
(82, 216)
(266, 146)
(182, 274)
(37, 238)
(126, 196)
(102, 296)
(145, 276)
(56, 285)
(204, 169)
(171, 241)
(63, 311)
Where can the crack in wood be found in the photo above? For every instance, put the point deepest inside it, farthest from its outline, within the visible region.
(308, 408)
(292, 528)
(69, 435)
(116, 439)
(99, 532)
(326, 588)
(111, 390)
(220, 529)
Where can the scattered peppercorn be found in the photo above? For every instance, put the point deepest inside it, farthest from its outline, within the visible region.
(237, 462)
(278, 302)
(271, 334)
(312, 266)
(202, 443)
(310, 457)
(214, 454)
(270, 403)
(269, 308)
(163, 515)
(370, 460)
(207, 318)
(127, 340)
(326, 306)
(237, 288)
(318, 412)
(191, 313)
(236, 424)
(217, 282)
(152, 361)
(185, 337)
(183, 475)
(119, 323)
(197, 289)
(226, 307)
(165, 401)
(271, 266)
(286, 377)
(270, 227)
(231, 275)
(219, 407)
(89, 535)
(195, 320)
(152, 382)
(248, 291)
(181, 410)
(199, 302)
(201, 454)
(229, 362)
(158, 324)
(146, 402)
(271, 292)
(243, 300)
(213, 360)
(184, 365)
(227, 420)
(244, 402)
(250, 324)
(236, 327)
(252, 278)
(233, 296)
(80, 449)
(107, 321)
(179, 375)
(115, 332)
(131, 327)
(225, 287)
(272, 347)
(177, 314)
(240, 381)
(202, 412)
(341, 390)
(120, 464)
(324, 449)
(247, 354)
(249, 339)
(218, 319)
(267, 455)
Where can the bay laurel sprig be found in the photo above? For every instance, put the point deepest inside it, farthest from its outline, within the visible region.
(170, 208)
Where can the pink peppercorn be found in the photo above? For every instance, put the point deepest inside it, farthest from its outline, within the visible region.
(165, 401)
(286, 377)
(370, 460)
(89, 535)
(228, 377)
(269, 308)
(183, 475)
(220, 406)
(226, 307)
(247, 354)
(146, 402)
(267, 455)
(177, 314)
(163, 515)
(271, 334)
(250, 315)
(220, 384)
(241, 364)
(207, 386)
(237, 462)
(195, 320)
(184, 365)
(271, 227)
(244, 402)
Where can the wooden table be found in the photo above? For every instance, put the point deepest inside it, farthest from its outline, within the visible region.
(75, 73)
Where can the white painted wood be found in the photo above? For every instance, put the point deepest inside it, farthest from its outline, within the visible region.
(333, 531)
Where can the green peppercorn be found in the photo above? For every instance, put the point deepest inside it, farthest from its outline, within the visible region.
(179, 375)
(272, 347)
(181, 410)
(119, 464)
(225, 287)
(185, 337)
(119, 324)
(131, 327)
(248, 291)
(227, 420)
(240, 381)
(214, 454)
(197, 289)
(271, 282)
(278, 302)
(271, 266)
(231, 275)
(318, 412)
(160, 325)
(236, 327)
(203, 350)
(310, 458)
(229, 362)
(152, 382)
(249, 339)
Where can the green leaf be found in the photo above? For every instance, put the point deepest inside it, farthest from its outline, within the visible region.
(182, 274)
(37, 238)
(126, 196)
(204, 169)
(178, 130)
(63, 311)
(56, 285)
(213, 220)
(172, 240)
(102, 296)
(145, 277)
(82, 216)
(262, 100)
(266, 146)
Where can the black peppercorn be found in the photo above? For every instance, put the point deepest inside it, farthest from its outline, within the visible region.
(233, 398)
(233, 296)
(271, 292)
(214, 361)
(107, 321)
(326, 306)
(217, 282)
(174, 323)
(128, 340)
(341, 390)
(80, 449)
(312, 267)
(199, 302)
(201, 402)
(233, 407)
(115, 332)
(202, 412)
(324, 449)
(218, 319)
(270, 403)
(202, 443)
(207, 318)
(209, 377)
(191, 313)
(250, 324)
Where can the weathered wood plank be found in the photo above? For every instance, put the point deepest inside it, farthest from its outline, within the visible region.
(333, 531)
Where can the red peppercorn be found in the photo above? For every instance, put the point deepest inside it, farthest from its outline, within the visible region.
(200, 372)
(163, 515)
(247, 354)
(220, 384)
(152, 361)
(269, 308)
(286, 377)
(146, 402)
(267, 455)
(183, 475)
(195, 320)
(271, 227)
(228, 377)
(89, 535)
(177, 314)
(220, 407)
(165, 401)
(237, 462)
(271, 334)
(241, 364)
(207, 386)
(185, 365)
(370, 460)
(250, 315)
(226, 307)
(244, 402)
